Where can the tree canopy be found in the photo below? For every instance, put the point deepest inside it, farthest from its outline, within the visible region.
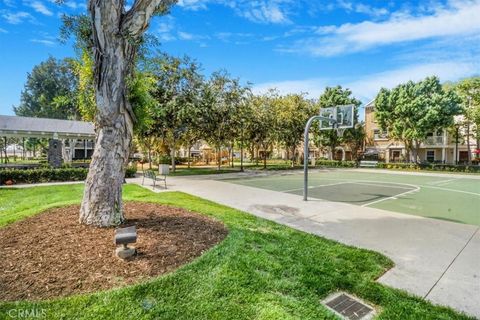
(50, 91)
(412, 110)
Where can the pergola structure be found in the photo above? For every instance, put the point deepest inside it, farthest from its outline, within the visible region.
(44, 128)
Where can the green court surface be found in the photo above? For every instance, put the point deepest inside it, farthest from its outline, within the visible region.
(453, 198)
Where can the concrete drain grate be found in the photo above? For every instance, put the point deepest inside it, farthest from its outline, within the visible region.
(348, 307)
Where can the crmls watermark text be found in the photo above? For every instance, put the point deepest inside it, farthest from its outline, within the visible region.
(27, 313)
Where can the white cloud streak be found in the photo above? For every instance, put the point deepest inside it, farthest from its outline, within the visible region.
(17, 17)
(458, 18)
(367, 87)
(41, 8)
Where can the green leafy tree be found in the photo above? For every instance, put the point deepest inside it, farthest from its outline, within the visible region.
(178, 87)
(331, 97)
(291, 114)
(411, 110)
(49, 91)
(355, 139)
(469, 92)
(261, 124)
(221, 101)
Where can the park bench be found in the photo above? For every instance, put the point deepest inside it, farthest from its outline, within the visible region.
(368, 164)
(150, 174)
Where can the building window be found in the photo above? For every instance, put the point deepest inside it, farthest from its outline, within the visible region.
(380, 134)
(430, 155)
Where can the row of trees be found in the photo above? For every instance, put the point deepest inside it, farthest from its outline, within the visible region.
(175, 105)
(412, 110)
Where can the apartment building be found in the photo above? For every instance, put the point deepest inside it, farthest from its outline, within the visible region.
(439, 146)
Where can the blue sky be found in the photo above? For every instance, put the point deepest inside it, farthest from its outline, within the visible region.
(294, 45)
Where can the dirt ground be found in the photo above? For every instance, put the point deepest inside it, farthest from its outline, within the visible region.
(51, 255)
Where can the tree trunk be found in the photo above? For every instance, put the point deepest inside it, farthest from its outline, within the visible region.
(219, 158)
(469, 159)
(264, 158)
(172, 156)
(149, 157)
(114, 32)
(293, 156)
(232, 154)
(189, 148)
(416, 148)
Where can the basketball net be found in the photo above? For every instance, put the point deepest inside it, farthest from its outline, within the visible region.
(340, 132)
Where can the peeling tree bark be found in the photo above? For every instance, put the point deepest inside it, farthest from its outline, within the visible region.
(115, 35)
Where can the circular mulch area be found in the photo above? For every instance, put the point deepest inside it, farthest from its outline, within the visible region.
(51, 255)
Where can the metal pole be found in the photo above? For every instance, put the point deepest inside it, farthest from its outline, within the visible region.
(305, 152)
(456, 144)
(241, 150)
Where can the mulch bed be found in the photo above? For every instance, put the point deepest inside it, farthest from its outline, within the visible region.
(51, 255)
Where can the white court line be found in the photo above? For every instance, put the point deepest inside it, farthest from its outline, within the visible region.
(391, 198)
(452, 190)
(311, 187)
(380, 185)
(441, 182)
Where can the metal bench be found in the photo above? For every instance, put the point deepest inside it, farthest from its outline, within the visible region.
(150, 174)
(368, 164)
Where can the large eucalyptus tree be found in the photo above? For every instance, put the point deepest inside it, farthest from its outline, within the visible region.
(117, 33)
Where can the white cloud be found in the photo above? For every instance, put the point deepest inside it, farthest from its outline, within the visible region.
(46, 42)
(459, 18)
(367, 87)
(259, 11)
(192, 4)
(185, 35)
(362, 8)
(41, 8)
(17, 17)
(314, 87)
(76, 5)
(265, 11)
(164, 30)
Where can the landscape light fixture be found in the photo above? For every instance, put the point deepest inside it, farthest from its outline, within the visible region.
(123, 237)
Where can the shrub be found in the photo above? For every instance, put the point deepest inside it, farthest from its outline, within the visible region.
(429, 167)
(130, 172)
(168, 160)
(336, 163)
(51, 174)
(43, 175)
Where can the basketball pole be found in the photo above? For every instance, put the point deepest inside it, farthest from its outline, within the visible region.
(305, 152)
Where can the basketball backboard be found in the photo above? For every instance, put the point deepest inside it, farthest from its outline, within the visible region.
(327, 113)
(342, 117)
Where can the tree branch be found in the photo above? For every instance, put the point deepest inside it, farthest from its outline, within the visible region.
(137, 18)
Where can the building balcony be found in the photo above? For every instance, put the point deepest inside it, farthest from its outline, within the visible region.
(435, 141)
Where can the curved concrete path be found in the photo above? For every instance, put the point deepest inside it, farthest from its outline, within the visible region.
(434, 259)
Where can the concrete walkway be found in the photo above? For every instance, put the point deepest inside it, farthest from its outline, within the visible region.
(434, 259)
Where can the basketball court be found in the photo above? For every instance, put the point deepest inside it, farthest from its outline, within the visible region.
(453, 198)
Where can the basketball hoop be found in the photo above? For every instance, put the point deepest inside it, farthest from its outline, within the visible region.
(340, 132)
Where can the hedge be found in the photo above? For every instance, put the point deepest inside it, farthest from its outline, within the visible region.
(429, 167)
(403, 166)
(336, 163)
(50, 174)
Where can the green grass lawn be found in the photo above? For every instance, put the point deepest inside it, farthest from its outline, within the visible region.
(262, 270)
